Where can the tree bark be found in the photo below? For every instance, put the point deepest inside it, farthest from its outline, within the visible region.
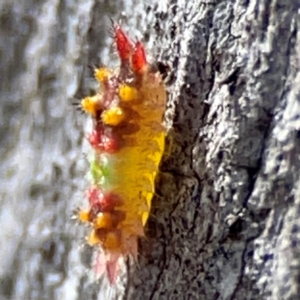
(224, 221)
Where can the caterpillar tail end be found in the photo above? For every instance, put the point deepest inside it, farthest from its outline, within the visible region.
(107, 265)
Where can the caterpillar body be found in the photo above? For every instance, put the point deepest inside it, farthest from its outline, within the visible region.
(128, 143)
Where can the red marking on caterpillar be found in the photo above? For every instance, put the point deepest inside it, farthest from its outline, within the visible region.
(127, 140)
(102, 202)
(139, 61)
(123, 43)
(103, 142)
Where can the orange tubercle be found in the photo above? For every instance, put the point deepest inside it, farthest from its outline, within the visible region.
(92, 105)
(127, 93)
(113, 241)
(102, 75)
(103, 220)
(113, 116)
(93, 238)
(84, 216)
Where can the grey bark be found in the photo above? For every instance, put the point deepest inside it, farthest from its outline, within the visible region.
(225, 222)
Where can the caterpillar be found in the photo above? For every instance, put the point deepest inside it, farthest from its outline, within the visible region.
(128, 140)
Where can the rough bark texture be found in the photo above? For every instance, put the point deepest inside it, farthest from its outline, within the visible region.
(225, 221)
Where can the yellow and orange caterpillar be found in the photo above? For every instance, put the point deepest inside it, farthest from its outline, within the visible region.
(128, 143)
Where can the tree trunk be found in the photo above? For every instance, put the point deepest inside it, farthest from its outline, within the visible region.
(224, 221)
